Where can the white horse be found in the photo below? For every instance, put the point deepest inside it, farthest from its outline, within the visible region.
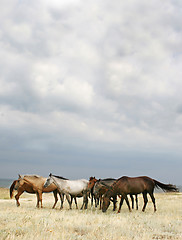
(75, 188)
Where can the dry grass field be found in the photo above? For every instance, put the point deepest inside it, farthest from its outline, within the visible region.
(27, 222)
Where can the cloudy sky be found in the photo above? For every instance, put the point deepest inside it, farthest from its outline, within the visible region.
(91, 88)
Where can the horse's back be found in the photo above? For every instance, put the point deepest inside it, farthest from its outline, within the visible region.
(75, 187)
(36, 182)
(136, 184)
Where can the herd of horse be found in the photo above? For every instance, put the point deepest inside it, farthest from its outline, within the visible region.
(102, 191)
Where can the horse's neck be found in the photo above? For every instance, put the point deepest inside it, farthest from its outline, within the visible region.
(57, 181)
(108, 182)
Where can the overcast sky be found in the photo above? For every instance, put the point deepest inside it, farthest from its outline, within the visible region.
(91, 88)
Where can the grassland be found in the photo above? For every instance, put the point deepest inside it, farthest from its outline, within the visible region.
(27, 222)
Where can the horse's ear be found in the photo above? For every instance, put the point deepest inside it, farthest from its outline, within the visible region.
(19, 175)
(50, 174)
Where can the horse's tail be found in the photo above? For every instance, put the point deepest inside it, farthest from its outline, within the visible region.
(166, 187)
(12, 188)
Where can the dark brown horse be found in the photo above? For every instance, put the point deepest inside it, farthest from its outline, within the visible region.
(101, 186)
(33, 184)
(127, 185)
(99, 189)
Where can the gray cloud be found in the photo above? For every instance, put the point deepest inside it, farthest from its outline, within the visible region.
(92, 82)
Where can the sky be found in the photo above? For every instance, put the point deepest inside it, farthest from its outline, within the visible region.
(91, 88)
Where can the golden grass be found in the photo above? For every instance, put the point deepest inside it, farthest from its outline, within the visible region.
(4, 193)
(27, 222)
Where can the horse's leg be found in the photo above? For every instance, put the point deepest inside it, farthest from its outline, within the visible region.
(40, 197)
(17, 197)
(68, 199)
(55, 192)
(71, 199)
(96, 201)
(92, 199)
(132, 200)
(121, 203)
(62, 199)
(153, 200)
(37, 200)
(100, 198)
(114, 202)
(82, 205)
(145, 200)
(76, 202)
(85, 199)
(127, 202)
(136, 199)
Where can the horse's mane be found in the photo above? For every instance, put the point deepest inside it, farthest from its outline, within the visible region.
(60, 177)
(31, 176)
(107, 179)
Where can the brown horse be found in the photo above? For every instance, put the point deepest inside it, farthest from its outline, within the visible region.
(128, 185)
(101, 186)
(33, 184)
(99, 191)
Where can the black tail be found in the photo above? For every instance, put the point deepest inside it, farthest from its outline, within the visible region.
(12, 188)
(166, 187)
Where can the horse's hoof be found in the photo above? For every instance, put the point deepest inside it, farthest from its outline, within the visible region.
(118, 211)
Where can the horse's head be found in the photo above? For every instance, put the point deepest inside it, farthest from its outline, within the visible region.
(92, 182)
(48, 181)
(19, 182)
(105, 203)
(107, 198)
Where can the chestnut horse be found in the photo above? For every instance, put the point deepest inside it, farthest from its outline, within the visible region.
(33, 184)
(135, 185)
